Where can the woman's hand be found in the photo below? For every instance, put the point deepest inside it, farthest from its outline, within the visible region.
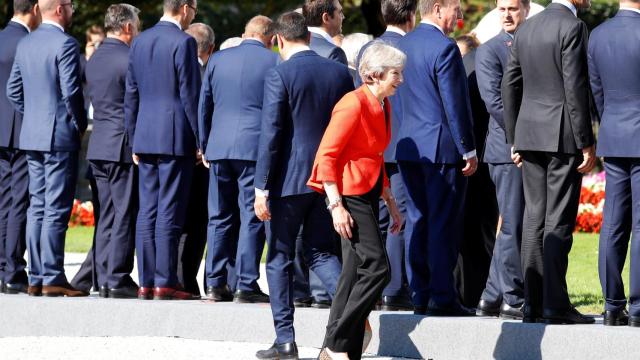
(396, 216)
(342, 222)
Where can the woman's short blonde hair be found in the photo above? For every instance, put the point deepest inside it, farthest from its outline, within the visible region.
(378, 58)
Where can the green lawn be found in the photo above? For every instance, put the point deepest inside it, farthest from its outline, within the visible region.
(582, 277)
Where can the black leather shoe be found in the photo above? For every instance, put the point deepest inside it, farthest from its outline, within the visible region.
(634, 321)
(396, 303)
(127, 292)
(509, 312)
(486, 308)
(531, 315)
(17, 288)
(250, 297)
(321, 304)
(570, 316)
(288, 351)
(303, 302)
(103, 292)
(450, 310)
(420, 310)
(616, 317)
(219, 294)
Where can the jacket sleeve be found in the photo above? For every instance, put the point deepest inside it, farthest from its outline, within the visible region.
(274, 111)
(489, 75)
(596, 81)
(576, 84)
(15, 90)
(189, 81)
(512, 92)
(454, 92)
(71, 82)
(131, 99)
(205, 107)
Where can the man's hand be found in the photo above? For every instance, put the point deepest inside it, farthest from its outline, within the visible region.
(200, 159)
(136, 159)
(517, 159)
(588, 160)
(261, 208)
(471, 167)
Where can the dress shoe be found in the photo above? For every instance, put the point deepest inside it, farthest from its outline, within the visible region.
(35, 290)
(396, 303)
(487, 308)
(321, 304)
(103, 291)
(172, 294)
(634, 321)
(288, 351)
(616, 317)
(303, 302)
(145, 293)
(125, 292)
(570, 316)
(531, 315)
(62, 290)
(509, 312)
(420, 310)
(17, 288)
(450, 310)
(219, 294)
(250, 297)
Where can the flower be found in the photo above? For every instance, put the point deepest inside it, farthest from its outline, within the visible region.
(591, 203)
(82, 214)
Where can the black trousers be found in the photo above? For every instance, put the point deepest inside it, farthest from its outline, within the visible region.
(365, 274)
(552, 193)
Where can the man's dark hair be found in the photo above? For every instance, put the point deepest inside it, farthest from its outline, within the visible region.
(175, 5)
(313, 10)
(292, 27)
(118, 15)
(23, 6)
(398, 12)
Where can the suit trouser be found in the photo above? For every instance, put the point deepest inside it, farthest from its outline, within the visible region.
(306, 284)
(52, 182)
(14, 201)
(163, 180)
(435, 203)
(505, 275)
(621, 220)
(288, 214)
(478, 236)
(86, 277)
(231, 197)
(394, 243)
(365, 273)
(194, 234)
(115, 241)
(552, 193)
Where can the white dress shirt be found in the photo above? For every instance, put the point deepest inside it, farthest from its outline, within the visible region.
(321, 32)
(171, 20)
(569, 5)
(49, 22)
(396, 30)
(18, 21)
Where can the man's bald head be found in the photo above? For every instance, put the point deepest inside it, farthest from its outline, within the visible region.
(48, 5)
(259, 28)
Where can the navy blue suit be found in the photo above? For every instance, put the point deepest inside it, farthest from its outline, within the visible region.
(435, 131)
(296, 111)
(326, 49)
(14, 179)
(614, 52)
(505, 275)
(111, 163)
(229, 121)
(161, 105)
(45, 85)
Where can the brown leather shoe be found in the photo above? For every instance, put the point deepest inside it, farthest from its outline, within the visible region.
(145, 293)
(35, 290)
(62, 290)
(172, 294)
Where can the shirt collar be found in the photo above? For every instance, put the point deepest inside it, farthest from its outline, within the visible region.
(297, 49)
(53, 23)
(171, 20)
(396, 30)
(322, 33)
(569, 5)
(629, 9)
(18, 21)
(200, 61)
(429, 22)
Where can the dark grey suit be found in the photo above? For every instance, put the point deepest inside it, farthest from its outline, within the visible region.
(547, 115)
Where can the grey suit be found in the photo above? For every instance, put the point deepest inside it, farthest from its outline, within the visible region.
(45, 86)
(547, 115)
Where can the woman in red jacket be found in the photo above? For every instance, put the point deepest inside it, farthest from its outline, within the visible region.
(349, 168)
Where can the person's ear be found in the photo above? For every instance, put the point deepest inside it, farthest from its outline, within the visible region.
(326, 18)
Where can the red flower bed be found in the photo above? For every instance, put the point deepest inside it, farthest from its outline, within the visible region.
(591, 204)
(82, 214)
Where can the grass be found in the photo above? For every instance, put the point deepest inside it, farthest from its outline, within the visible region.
(582, 276)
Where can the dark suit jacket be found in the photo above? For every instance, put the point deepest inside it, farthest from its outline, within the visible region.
(614, 60)
(478, 109)
(229, 115)
(45, 86)
(299, 96)
(391, 38)
(491, 60)
(10, 119)
(326, 49)
(163, 84)
(106, 75)
(546, 93)
(436, 125)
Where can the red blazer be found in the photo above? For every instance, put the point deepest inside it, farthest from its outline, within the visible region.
(352, 148)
